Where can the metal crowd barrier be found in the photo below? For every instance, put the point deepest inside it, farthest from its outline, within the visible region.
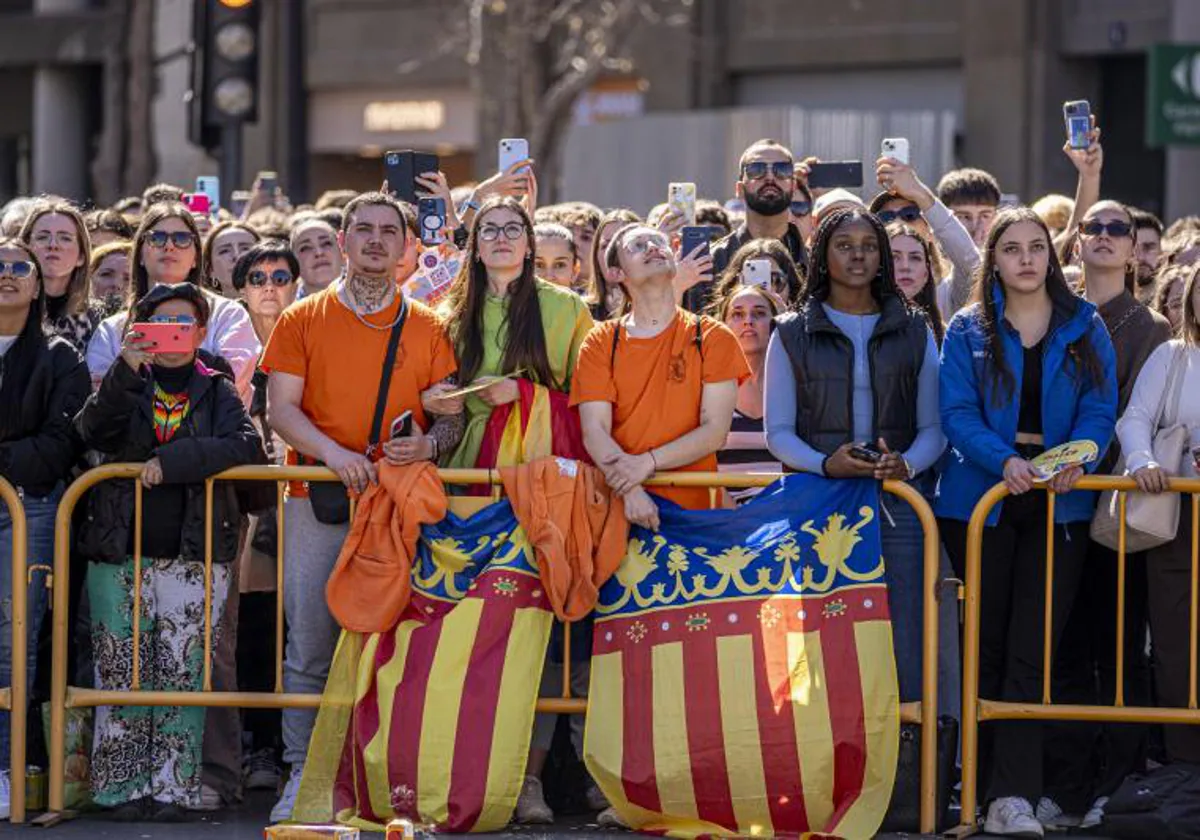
(15, 698)
(976, 709)
(64, 696)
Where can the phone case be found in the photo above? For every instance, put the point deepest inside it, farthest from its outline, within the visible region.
(168, 338)
(431, 220)
(1078, 117)
(210, 185)
(896, 148)
(681, 198)
(693, 236)
(757, 273)
(512, 150)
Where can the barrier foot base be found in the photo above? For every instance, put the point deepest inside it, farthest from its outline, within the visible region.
(961, 831)
(53, 818)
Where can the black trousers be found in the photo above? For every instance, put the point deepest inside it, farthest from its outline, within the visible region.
(1088, 760)
(1012, 607)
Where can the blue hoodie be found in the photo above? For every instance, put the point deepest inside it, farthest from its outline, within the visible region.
(982, 431)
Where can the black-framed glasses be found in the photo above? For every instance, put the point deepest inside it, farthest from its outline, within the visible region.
(20, 269)
(781, 169)
(908, 214)
(801, 208)
(512, 232)
(1095, 228)
(180, 239)
(279, 277)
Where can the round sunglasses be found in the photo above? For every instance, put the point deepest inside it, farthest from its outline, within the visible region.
(278, 278)
(180, 239)
(20, 269)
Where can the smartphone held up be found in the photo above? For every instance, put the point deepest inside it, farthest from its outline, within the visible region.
(1078, 117)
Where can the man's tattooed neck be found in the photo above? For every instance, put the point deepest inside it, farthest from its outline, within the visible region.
(371, 293)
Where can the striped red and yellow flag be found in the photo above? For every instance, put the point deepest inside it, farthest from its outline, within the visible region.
(743, 680)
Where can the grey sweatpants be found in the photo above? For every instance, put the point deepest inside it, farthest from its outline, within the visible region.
(310, 551)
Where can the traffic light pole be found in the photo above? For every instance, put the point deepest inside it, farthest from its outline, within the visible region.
(231, 162)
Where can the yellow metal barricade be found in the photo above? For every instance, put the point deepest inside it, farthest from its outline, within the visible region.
(64, 696)
(15, 698)
(976, 709)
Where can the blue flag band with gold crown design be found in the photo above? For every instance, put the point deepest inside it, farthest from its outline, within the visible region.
(743, 680)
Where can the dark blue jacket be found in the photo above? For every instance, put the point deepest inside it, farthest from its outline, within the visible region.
(982, 431)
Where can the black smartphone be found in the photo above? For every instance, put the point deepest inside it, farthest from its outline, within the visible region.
(402, 425)
(694, 236)
(831, 174)
(400, 170)
(267, 183)
(431, 220)
(866, 452)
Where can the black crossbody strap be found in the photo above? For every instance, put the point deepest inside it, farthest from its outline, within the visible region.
(385, 377)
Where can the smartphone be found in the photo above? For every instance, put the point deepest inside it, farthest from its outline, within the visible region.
(681, 197)
(512, 150)
(692, 237)
(210, 185)
(1010, 200)
(402, 426)
(831, 174)
(400, 170)
(866, 452)
(757, 273)
(1078, 117)
(431, 220)
(268, 182)
(197, 203)
(895, 148)
(167, 338)
(238, 201)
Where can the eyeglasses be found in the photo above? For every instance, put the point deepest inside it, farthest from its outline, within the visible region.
(172, 319)
(279, 277)
(159, 238)
(1095, 228)
(908, 214)
(643, 244)
(19, 269)
(801, 208)
(512, 231)
(781, 169)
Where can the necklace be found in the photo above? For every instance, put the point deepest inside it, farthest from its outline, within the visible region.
(353, 305)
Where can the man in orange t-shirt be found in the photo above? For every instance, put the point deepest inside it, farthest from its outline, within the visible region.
(325, 360)
(656, 389)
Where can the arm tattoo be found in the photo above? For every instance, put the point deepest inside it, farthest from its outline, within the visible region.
(447, 430)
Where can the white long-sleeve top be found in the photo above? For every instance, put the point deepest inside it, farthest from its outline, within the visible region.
(1136, 428)
(953, 292)
(230, 336)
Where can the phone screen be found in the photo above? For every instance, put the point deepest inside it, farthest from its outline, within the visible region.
(829, 175)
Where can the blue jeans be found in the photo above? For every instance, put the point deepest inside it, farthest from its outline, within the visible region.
(39, 517)
(903, 552)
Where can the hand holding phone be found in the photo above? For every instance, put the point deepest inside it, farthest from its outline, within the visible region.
(692, 237)
(402, 426)
(681, 198)
(895, 148)
(159, 337)
(1078, 117)
(402, 168)
(431, 220)
(866, 452)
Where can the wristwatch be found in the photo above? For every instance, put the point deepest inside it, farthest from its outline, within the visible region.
(909, 467)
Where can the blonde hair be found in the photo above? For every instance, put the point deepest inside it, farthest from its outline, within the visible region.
(1055, 210)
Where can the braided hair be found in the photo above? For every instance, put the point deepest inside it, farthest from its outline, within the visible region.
(883, 284)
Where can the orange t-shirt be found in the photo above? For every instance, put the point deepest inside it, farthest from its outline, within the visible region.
(655, 386)
(340, 359)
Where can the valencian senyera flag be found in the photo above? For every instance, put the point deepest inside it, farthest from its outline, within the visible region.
(743, 681)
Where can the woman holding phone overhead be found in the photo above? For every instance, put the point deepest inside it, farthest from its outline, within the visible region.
(852, 392)
(166, 251)
(506, 323)
(1027, 367)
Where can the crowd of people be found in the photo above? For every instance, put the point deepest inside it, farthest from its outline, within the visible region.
(928, 335)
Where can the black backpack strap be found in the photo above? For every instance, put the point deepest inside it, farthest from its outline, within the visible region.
(385, 376)
(612, 360)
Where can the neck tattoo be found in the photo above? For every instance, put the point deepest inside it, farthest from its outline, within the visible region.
(370, 294)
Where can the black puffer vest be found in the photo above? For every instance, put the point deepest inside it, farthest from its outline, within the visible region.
(822, 358)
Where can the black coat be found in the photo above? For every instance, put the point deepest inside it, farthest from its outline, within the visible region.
(42, 451)
(215, 435)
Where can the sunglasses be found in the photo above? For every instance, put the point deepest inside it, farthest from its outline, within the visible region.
(512, 231)
(279, 277)
(172, 319)
(159, 239)
(801, 208)
(908, 214)
(19, 269)
(1111, 228)
(781, 169)
(643, 244)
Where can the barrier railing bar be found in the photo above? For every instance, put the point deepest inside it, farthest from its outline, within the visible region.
(1047, 651)
(1005, 710)
(279, 551)
(208, 573)
(1119, 694)
(136, 680)
(1195, 605)
(15, 697)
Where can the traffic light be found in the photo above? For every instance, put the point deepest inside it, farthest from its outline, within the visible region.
(224, 94)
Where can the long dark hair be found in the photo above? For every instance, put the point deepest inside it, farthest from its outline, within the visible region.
(78, 289)
(597, 299)
(1003, 385)
(757, 249)
(21, 356)
(883, 284)
(926, 299)
(155, 214)
(524, 335)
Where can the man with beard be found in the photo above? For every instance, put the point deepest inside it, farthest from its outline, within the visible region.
(1147, 249)
(766, 183)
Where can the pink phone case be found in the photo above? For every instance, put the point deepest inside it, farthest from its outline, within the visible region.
(168, 338)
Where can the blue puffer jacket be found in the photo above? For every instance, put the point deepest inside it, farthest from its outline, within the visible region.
(982, 431)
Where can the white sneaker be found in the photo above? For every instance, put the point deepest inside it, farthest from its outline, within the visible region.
(4, 795)
(210, 800)
(282, 812)
(1095, 814)
(1047, 811)
(531, 804)
(609, 818)
(1012, 816)
(261, 771)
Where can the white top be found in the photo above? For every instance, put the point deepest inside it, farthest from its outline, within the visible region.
(230, 336)
(1136, 427)
(7, 341)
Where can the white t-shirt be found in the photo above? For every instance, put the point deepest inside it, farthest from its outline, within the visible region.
(7, 341)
